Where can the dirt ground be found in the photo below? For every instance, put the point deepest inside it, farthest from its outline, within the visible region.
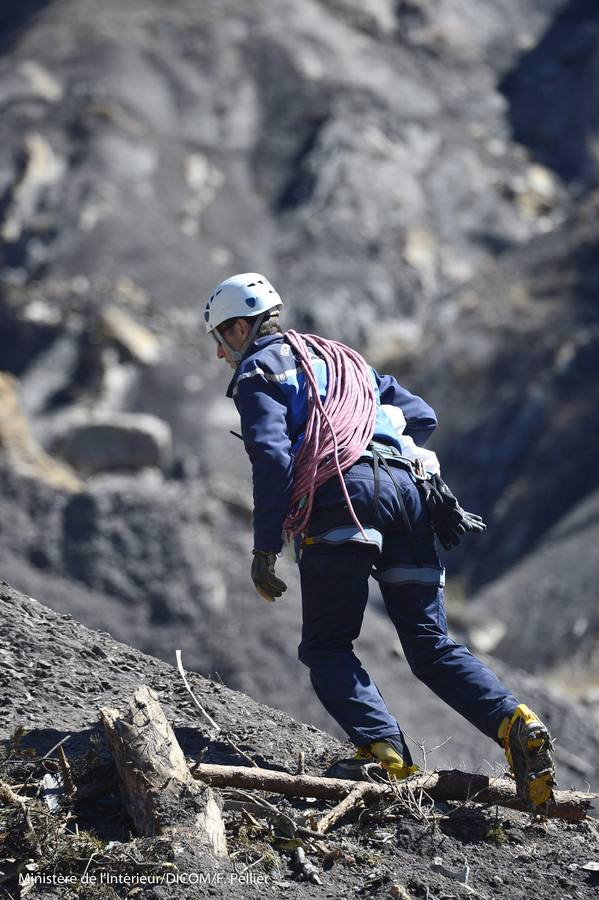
(55, 676)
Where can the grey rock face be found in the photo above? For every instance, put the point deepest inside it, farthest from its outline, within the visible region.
(117, 441)
(562, 66)
(229, 138)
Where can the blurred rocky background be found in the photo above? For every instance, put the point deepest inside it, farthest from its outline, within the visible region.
(418, 178)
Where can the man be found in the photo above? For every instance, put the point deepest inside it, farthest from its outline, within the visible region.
(394, 542)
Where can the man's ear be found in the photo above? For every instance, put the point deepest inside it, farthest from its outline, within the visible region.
(244, 328)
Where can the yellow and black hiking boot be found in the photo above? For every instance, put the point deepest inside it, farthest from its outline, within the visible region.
(376, 761)
(388, 757)
(529, 751)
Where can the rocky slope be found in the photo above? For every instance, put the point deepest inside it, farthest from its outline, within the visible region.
(55, 676)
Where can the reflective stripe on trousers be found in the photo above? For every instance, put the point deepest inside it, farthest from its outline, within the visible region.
(431, 575)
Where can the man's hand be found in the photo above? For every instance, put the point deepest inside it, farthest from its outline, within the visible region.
(263, 575)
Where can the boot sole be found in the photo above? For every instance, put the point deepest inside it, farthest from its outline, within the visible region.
(532, 762)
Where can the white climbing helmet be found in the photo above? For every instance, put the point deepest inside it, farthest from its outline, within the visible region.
(247, 294)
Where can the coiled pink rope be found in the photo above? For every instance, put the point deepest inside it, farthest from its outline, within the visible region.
(337, 432)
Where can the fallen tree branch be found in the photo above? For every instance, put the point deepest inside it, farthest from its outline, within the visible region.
(444, 785)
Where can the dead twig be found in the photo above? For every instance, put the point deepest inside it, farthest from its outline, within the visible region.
(9, 797)
(337, 813)
(423, 751)
(238, 750)
(261, 806)
(250, 819)
(44, 757)
(251, 866)
(216, 729)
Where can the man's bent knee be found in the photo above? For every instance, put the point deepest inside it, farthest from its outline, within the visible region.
(310, 655)
(316, 656)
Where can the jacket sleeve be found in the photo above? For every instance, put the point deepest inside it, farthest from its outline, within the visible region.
(420, 418)
(264, 429)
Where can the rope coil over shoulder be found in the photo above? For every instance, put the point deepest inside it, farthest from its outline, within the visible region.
(337, 429)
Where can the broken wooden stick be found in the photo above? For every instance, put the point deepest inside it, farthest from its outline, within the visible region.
(443, 785)
(9, 797)
(67, 774)
(308, 870)
(337, 813)
(158, 789)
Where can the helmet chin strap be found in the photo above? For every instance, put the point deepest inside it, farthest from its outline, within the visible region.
(236, 355)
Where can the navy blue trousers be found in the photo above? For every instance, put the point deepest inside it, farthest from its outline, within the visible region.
(334, 583)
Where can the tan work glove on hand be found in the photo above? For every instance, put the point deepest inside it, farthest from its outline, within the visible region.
(263, 575)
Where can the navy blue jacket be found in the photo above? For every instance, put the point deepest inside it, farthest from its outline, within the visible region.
(268, 388)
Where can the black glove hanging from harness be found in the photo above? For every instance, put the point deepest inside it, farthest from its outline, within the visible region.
(450, 522)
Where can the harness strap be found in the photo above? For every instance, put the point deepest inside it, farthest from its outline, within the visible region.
(377, 458)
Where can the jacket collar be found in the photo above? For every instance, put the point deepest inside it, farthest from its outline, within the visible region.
(259, 344)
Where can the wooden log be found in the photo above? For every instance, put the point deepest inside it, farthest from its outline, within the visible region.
(443, 785)
(158, 789)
